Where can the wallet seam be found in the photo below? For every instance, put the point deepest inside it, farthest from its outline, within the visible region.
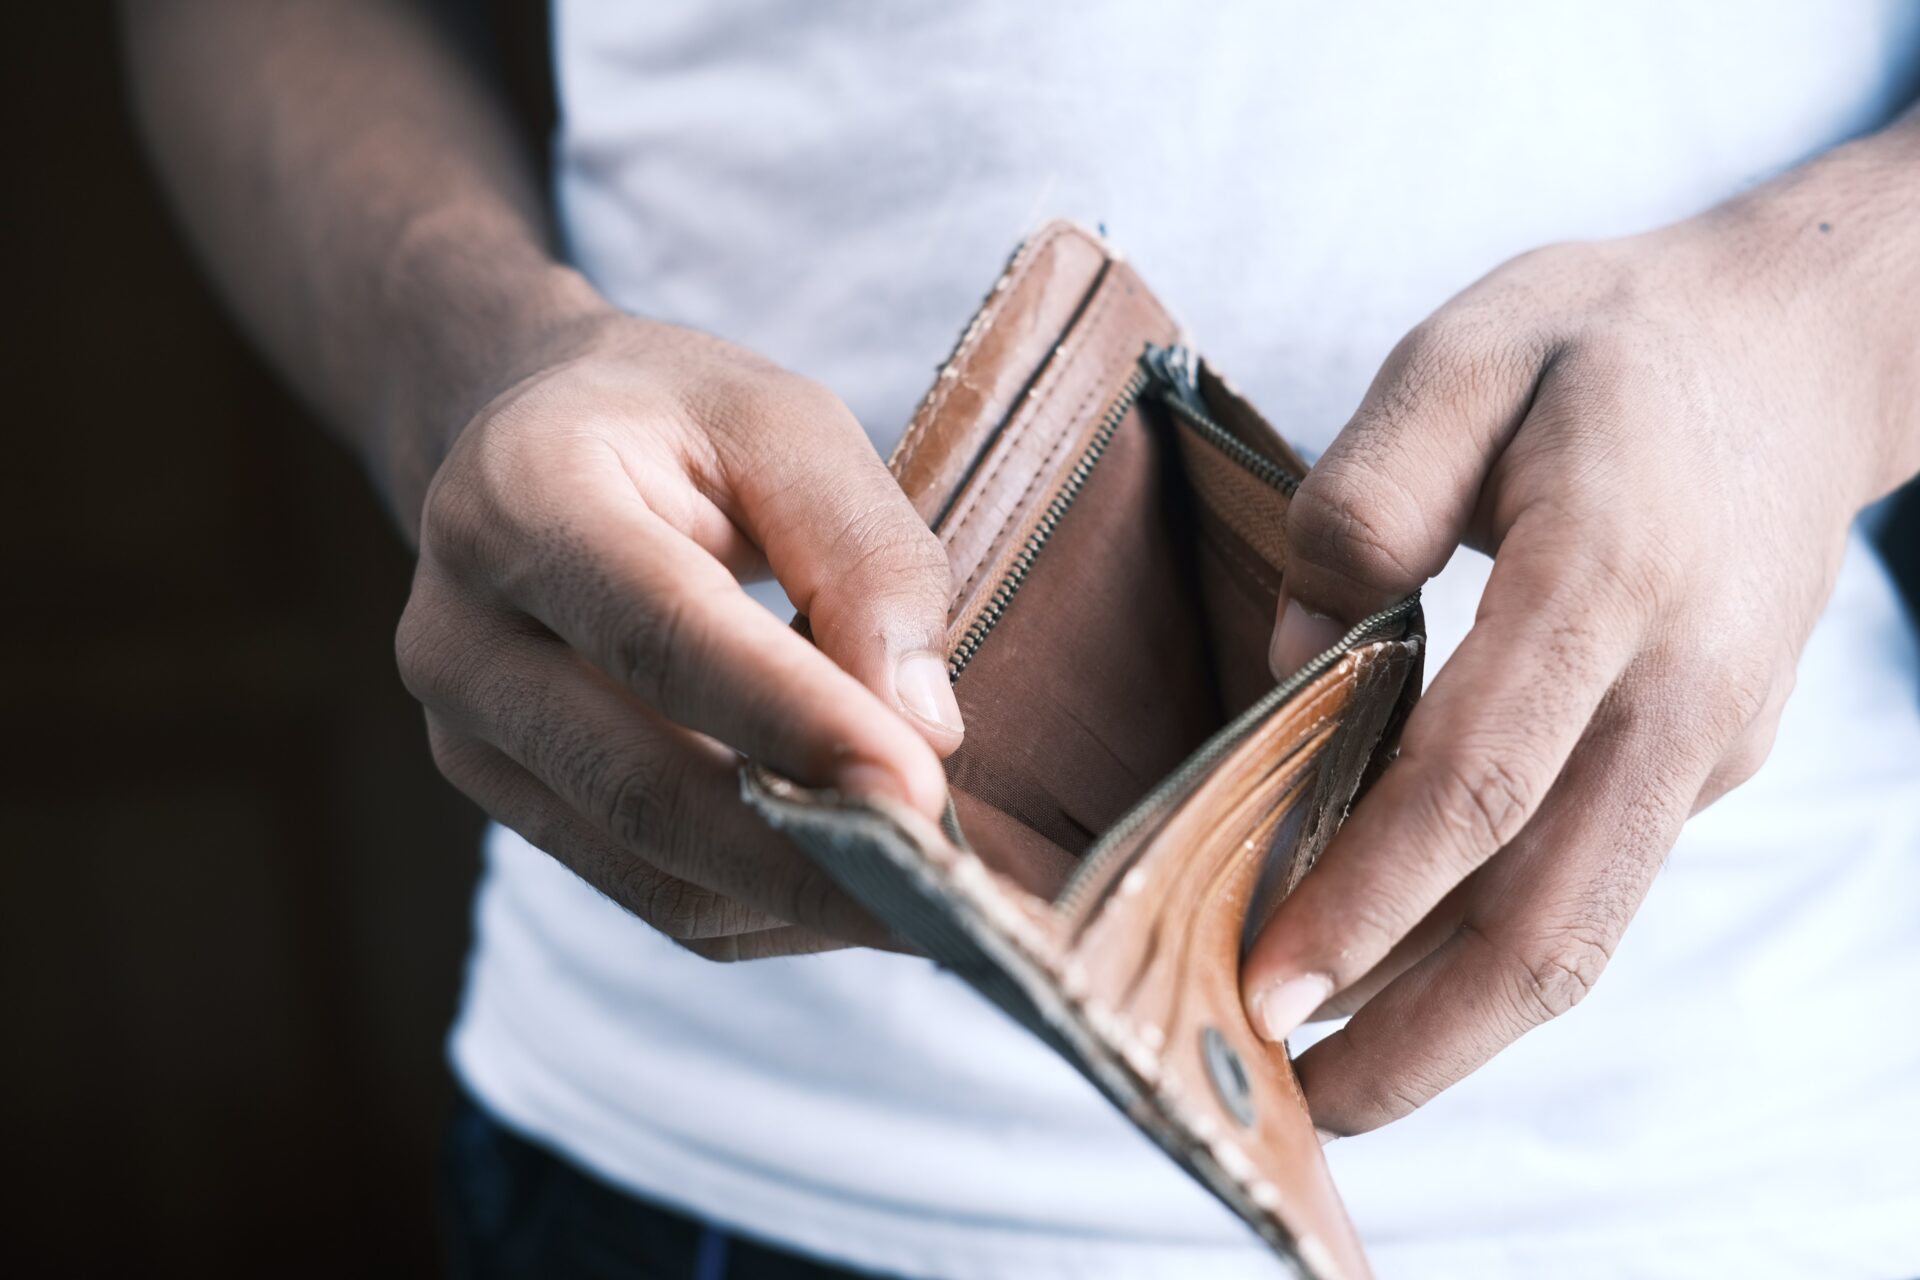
(1075, 417)
(1003, 289)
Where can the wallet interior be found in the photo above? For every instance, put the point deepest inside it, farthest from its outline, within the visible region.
(1135, 791)
(1136, 630)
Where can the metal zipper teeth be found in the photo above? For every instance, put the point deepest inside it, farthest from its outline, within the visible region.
(1036, 541)
(1177, 371)
(1235, 448)
(1116, 843)
(1169, 370)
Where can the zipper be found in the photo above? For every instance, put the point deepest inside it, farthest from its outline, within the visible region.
(1176, 373)
(1105, 856)
(1172, 374)
(1063, 500)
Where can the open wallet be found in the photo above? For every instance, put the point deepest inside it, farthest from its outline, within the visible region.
(1135, 793)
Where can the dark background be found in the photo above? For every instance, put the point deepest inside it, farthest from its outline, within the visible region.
(235, 890)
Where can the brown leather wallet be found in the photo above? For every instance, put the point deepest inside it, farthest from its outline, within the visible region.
(1135, 794)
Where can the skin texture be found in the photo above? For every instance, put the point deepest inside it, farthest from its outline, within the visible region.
(582, 485)
(1662, 439)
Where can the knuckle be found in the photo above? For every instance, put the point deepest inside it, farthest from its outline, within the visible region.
(1723, 699)
(449, 754)
(1339, 520)
(448, 518)
(1480, 798)
(1435, 352)
(1396, 1098)
(808, 897)
(650, 645)
(1631, 563)
(417, 650)
(760, 398)
(674, 907)
(1738, 700)
(1552, 976)
(1741, 764)
(886, 562)
(456, 659)
(1564, 974)
(811, 399)
(641, 802)
(887, 542)
(1739, 727)
(480, 492)
(1475, 350)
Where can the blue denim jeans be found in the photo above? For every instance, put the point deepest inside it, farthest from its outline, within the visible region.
(510, 1208)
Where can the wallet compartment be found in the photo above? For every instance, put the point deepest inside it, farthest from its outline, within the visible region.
(1134, 794)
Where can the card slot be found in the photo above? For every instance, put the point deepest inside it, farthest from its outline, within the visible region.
(1139, 632)
(1098, 679)
(1252, 508)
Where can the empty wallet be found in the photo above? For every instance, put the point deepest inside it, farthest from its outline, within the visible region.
(1135, 793)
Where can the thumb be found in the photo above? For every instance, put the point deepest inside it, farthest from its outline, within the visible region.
(856, 558)
(1386, 505)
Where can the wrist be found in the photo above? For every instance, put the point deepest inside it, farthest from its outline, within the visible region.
(1832, 250)
(476, 317)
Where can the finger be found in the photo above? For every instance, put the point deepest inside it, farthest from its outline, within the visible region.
(765, 944)
(1750, 748)
(850, 550)
(1541, 922)
(1479, 753)
(785, 940)
(655, 795)
(517, 800)
(705, 923)
(1387, 504)
(665, 620)
(1421, 941)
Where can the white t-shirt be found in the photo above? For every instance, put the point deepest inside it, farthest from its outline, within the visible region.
(834, 185)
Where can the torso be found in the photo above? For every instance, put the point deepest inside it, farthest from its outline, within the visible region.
(834, 185)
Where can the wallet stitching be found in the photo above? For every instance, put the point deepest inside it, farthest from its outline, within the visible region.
(1074, 418)
(1038, 399)
(998, 299)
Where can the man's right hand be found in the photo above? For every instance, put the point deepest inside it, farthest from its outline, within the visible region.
(588, 661)
(590, 665)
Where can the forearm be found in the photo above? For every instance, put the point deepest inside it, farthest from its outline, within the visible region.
(362, 203)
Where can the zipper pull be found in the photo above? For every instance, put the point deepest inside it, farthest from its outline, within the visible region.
(1176, 375)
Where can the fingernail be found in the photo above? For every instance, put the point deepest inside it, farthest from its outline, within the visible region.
(1281, 1008)
(924, 690)
(1300, 636)
(1324, 1135)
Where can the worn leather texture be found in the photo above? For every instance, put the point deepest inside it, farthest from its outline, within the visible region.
(1134, 794)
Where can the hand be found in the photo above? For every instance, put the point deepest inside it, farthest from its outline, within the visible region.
(590, 665)
(1662, 441)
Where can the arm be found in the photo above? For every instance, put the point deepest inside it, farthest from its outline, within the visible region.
(362, 204)
(1662, 441)
(583, 486)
